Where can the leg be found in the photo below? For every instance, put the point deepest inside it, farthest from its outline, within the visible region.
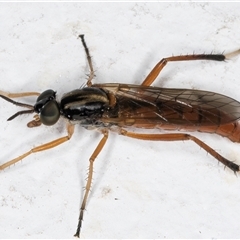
(91, 75)
(180, 137)
(89, 179)
(52, 144)
(160, 65)
(16, 95)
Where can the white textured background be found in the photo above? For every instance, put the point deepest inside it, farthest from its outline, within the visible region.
(163, 190)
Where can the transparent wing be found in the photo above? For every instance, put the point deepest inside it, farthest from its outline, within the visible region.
(173, 106)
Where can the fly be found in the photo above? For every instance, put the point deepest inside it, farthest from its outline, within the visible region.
(115, 107)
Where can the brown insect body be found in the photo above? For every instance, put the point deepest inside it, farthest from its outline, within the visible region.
(172, 109)
(115, 107)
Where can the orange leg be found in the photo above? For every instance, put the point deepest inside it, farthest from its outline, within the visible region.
(180, 137)
(160, 65)
(52, 144)
(17, 95)
(89, 179)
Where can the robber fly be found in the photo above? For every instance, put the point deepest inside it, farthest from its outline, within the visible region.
(115, 107)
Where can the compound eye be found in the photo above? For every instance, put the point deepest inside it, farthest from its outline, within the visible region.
(50, 113)
(46, 94)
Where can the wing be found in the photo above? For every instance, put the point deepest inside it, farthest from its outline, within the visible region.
(180, 107)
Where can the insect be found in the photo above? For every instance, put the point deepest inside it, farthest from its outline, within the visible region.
(115, 107)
